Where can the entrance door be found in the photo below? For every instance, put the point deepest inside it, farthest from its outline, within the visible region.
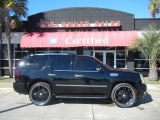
(107, 57)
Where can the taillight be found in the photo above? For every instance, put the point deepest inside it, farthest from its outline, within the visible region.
(17, 73)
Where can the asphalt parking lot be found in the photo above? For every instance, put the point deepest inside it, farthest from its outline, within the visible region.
(14, 106)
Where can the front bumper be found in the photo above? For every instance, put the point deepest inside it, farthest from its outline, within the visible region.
(20, 87)
(141, 90)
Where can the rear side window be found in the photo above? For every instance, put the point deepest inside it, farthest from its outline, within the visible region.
(85, 64)
(62, 63)
(33, 62)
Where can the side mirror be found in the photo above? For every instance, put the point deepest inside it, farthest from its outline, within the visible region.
(98, 68)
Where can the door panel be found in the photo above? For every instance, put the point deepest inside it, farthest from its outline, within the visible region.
(99, 83)
(82, 83)
(62, 74)
(88, 81)
(64, 81)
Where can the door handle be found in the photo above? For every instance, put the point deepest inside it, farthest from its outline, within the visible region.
(78, 75)
(53, 75)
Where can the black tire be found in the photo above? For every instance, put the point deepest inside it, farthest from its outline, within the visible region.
(124, 95)
(40, 94)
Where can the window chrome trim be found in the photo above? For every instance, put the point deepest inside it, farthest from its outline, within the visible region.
(69, 85)
(63, 70)
(73, 71)
(84, 71)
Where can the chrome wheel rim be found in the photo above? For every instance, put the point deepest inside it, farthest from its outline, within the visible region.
(125, 96)
(40, 95)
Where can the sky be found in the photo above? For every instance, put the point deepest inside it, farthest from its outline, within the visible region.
(137, 7)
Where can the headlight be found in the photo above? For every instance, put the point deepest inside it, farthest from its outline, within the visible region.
(21, 64)
(142, 78)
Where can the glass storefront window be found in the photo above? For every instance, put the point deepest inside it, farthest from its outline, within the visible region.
(69, 51)
(88, 52)
(4, 63)
(120, 58)
(110, 59)
(16, 63)
(4, 51)
(99, 56)
(17, 47)
(141, 63)
(4, 72)
(120, 54)
(139, 55)
(20, 54)
(142, 70)
(114, 58)
(120, 63)
(57, 50)
(144, 63)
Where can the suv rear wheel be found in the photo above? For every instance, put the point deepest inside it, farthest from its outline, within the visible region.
(124, 95)
(40, 93)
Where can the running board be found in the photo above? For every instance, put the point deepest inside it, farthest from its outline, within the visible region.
(81, 97)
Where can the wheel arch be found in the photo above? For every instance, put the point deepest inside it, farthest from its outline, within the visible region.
(30, 84)
(128, 82)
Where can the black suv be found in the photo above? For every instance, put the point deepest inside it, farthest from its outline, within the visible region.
(63, 75)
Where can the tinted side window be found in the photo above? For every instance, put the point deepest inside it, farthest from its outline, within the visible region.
(85, 64)
(33, 62)
(62, 63)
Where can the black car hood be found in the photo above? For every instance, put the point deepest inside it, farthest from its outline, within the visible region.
(123, 74)
(122, 70)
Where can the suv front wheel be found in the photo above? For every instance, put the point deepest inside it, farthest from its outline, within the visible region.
(124, 95)
(40, 93)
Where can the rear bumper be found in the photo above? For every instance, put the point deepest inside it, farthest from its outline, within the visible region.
(141, 90)
(20, 87)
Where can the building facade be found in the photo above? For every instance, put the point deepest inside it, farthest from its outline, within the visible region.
(98, 32)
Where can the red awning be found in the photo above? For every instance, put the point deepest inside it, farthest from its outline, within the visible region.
(78, 39)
